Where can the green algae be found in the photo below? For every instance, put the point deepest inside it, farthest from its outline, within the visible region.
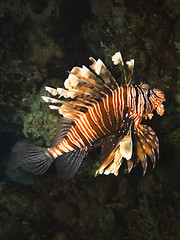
(40, 122)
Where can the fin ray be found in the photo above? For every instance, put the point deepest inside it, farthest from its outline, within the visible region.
(101, 70)
(30, 158)
(146, 145)
(68, 164)
(62, 129)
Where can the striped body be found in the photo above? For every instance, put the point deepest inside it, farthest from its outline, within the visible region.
(102, 118)
(112, 113)
(105, 110)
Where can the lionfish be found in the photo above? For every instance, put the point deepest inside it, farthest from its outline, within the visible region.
(100, 110)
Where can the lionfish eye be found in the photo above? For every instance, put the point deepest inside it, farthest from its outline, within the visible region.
(159, 94)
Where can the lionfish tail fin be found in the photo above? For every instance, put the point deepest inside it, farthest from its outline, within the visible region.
(68, 164)
(30, 158)
(146, 144)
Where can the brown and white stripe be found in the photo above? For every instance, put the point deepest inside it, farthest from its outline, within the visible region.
(103, 117)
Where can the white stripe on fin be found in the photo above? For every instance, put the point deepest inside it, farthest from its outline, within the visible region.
(61, 91)
(97, 65)
(52, 91)
(71, 81)
(50, 100)
(85, 72)
(130, 64)
(117, 58)
(126, 147)
(54, 107)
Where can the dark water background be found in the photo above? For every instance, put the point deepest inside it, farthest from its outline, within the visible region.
(39, 41)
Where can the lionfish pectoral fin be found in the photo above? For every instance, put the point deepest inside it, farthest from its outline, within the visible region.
(146, 144)
(126, 146)
(115, 164)
(100, 170)
(123, 150)
(109, 144)
(126, 150)
(68, 163)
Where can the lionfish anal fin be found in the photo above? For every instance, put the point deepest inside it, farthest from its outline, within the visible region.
(68, 164)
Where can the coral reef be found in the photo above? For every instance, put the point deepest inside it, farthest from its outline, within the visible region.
(40, 122)
(39, 42)
(32, 42)
(25, 48)
(49, 208)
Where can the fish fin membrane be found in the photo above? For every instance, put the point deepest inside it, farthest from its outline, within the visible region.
(101, 70)
(82, 83)
(62, 129)
(32, 159)
(139, 144)
(68, 164)
(122, 150)
(146, 144)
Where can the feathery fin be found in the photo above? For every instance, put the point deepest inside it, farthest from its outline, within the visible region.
(63, 128)
(121, 151)
(143, 141)
(118, 60)
(101, 70)
(146, 144)
(30, 158)
(68, 164)
(86, 84)
(130, 65)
